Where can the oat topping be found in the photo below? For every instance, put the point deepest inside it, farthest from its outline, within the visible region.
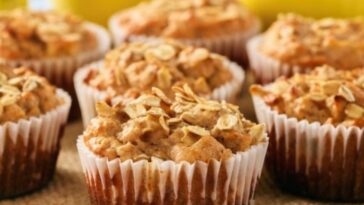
(188, 128)
(136, 67)
(186, 18)
(325, 95)
(23, 94)
(41, 34)
(306, 42)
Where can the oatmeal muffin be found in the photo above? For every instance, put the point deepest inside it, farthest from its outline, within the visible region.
(52, 44)
(35, 35)
(316, 127)
(186, 150)
(298, 44)
(135, 68)
(222, 26)
(32, 116)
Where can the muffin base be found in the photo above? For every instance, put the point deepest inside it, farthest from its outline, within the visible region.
(29, 150)
(309, 159)
(88, 96)
(166, 182)
(231, 45)
(24, 175)
(265, 68)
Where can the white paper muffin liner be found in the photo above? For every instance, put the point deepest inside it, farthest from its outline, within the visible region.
(88, 96)
(312, 159)
(29, 149)
(165, 182)
(59, 71)
(231, 45)
(266, 68)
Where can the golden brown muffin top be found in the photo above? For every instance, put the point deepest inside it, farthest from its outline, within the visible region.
(42, 34)
(186, 18)
(134, 68)
(23, 94)
(189, 128)
(325, 95)
(306, 42)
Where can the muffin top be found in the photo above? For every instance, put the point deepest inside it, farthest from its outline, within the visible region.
(134, 68)
(23, 94)
(306, 42)
(325, 95)
(186, 18)
(188, 128)
(41, 34)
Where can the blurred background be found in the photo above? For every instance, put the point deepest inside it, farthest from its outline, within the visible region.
(98, 11)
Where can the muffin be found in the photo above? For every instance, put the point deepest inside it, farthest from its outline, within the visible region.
(160, 150)
(52, 44)
(33, 114)
(316, 126)
(135, 68)
(222, 26)
(298, 44)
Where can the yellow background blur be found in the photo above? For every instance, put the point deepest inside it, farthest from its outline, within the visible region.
(268, 9)
(9, 4)
(100, 10)
(94, 10)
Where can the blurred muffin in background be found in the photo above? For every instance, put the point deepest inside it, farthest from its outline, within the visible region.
(33, 114)
(223, 26)
(134, 68)
(268, 10)
(315, 123)
(52, 44)
(297, 44)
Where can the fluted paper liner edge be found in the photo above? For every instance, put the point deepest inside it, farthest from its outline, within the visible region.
(230, 45)
(267, 69)
(322, 161)
(60, 70)
(242, 173)
(42, 133)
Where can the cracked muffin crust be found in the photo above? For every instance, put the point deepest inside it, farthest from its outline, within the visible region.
(134, 68)
(325, 95)
(188, 128)
(23, 94)
(183, 19)
(305, 42)
(42, 34)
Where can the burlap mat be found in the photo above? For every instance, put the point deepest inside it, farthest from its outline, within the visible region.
(68, 187)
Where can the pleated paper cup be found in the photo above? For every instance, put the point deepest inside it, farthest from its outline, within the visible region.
(311, 159)
(232, 45)
(88, 95)
(60, 70)
(29, 150)
(266, 68)
(232, 181)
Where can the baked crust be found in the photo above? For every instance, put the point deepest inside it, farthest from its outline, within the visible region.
(305, 42)
(325, 95)
(23, 94)
(134, 68)
(42, 34)
(189, 128)
(184, 19)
